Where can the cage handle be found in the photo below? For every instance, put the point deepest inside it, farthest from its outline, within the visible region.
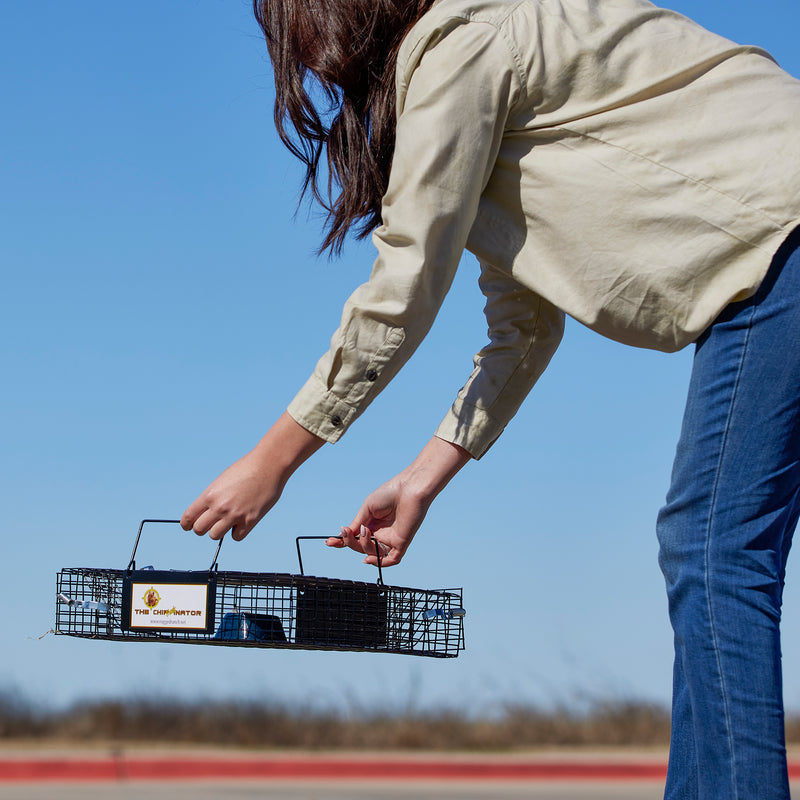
(377, 553)
(132, 562)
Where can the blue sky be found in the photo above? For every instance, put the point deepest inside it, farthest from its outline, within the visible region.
(161, 305)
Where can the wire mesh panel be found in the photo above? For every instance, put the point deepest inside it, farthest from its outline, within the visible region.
(255, 609)
(277, 610)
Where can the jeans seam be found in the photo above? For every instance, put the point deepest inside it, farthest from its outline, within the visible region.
(709, 524)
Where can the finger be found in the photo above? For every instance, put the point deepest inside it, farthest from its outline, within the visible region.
(219, 529)
(364, 518)
(354, 540)
(204, 523)
(361, 540)
(337, 541)
(374, 546)
(239, 531)
(370, 542)
(192, 513)
(389, 558)
(349, 537)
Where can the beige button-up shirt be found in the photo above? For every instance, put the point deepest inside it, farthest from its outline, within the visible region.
(605, 159)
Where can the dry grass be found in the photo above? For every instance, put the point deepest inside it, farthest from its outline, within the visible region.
(615, 723)
(272, 726)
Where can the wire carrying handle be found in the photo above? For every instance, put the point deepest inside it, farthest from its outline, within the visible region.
(132, 562)
(377, 553)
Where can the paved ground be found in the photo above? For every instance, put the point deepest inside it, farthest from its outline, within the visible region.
(539, 790)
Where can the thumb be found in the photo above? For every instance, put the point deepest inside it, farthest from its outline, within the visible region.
(340, 540)
(363, 517)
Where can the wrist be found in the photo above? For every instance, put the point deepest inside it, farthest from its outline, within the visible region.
(286, 445)
(433, 469)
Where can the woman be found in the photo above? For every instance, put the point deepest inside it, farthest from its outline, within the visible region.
(608, 160)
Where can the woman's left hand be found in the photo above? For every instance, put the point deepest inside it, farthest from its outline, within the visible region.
(393, 513)
(390, 515)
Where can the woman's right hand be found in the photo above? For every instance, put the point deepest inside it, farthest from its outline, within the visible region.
(236, 500)
(246, 490)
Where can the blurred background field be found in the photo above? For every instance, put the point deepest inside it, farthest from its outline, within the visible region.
(594, 723)
(264, 725)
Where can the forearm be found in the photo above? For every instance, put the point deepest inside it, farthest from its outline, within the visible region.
(524, 332)
(286, 445)
(436, 465)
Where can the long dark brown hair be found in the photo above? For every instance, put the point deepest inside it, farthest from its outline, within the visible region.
(344, 52)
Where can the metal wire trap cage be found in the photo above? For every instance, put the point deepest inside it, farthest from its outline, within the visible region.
(254, 609)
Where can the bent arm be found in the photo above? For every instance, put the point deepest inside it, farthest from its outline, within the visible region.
(453, 104)
(524, 332)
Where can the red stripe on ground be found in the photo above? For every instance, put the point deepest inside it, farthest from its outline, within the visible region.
(143, 769)
(113, 769)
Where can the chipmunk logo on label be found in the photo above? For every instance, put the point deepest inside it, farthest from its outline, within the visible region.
(151, 597)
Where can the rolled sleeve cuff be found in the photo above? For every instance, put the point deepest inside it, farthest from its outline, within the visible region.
(470, 427)
(321, 412)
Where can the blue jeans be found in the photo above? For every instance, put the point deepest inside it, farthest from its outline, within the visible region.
(724, 536)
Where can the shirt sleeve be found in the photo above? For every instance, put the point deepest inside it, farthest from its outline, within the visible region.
(456, 85)
(524, 332)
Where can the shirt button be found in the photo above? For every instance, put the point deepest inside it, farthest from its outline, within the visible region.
(336, 420)
(372, 374)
